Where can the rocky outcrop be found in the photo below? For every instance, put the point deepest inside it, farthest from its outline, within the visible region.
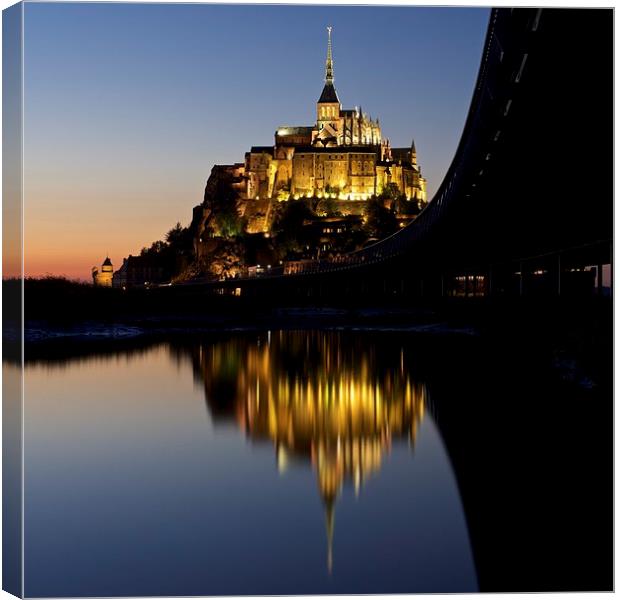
(219, 183)
(222, 258)
(219, 179)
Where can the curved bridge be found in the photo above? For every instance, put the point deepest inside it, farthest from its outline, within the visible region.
(526, 204)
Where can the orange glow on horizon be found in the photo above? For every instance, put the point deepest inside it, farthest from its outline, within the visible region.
(68, 234)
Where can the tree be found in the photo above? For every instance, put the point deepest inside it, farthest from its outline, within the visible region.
(179, 239)
(332, 189)
(157, 248)
(229, 224)
(390, 192)
(288, 226)
(226, 259)
(283, 191)
(380, 221)
(403, 206)
(329, 206)
(222, 200)
(352, 238)
(173, 253)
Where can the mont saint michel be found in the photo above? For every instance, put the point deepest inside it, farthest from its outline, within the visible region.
(319, 191)
(342, 156)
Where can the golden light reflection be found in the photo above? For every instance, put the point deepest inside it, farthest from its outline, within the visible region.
(318, 399)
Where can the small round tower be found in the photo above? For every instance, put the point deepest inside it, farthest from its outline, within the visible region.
(104, 277)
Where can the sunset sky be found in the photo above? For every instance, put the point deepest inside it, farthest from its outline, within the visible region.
(128, 106)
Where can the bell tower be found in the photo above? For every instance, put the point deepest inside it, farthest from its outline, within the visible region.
(328, 107)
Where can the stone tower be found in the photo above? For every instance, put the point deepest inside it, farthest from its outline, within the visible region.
(104, 278)
(328, 107)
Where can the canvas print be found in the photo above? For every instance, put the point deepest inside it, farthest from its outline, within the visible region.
(306, 299)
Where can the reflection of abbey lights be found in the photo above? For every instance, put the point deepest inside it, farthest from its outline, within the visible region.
(342, 417)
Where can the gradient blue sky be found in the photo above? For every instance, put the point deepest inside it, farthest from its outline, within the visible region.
(128, 106)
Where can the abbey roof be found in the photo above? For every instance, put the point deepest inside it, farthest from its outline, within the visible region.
(329, 94)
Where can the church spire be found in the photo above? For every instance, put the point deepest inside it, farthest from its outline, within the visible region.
(329, 63)
(414, 154)
(329, 95)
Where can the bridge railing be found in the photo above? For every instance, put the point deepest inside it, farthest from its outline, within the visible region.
(453, 186)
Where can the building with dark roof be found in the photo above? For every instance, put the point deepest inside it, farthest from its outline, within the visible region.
(104, 277)
(138, 271)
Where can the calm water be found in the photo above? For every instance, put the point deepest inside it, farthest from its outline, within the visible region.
(275, 463)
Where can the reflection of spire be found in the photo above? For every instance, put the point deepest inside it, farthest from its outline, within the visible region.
(330, 473)
(342, 418)
(330, 512)
(282, 458)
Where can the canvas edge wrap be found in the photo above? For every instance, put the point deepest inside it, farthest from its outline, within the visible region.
(12, 265)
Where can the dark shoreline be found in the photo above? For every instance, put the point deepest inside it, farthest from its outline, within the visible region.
(575, 338)
(62, 338)
(65, 319)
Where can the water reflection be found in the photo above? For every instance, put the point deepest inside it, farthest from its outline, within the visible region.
(120, 459)
(317, 399)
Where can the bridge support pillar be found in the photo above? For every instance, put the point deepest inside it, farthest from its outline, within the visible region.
(559, 274)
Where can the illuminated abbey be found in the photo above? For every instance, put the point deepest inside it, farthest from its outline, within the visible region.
(342, 156)
(339, 163)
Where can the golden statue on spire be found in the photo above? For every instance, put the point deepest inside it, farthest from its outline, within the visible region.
(329, 64)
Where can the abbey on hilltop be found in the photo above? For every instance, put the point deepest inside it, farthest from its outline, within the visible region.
(350, 185)
(342, 156)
